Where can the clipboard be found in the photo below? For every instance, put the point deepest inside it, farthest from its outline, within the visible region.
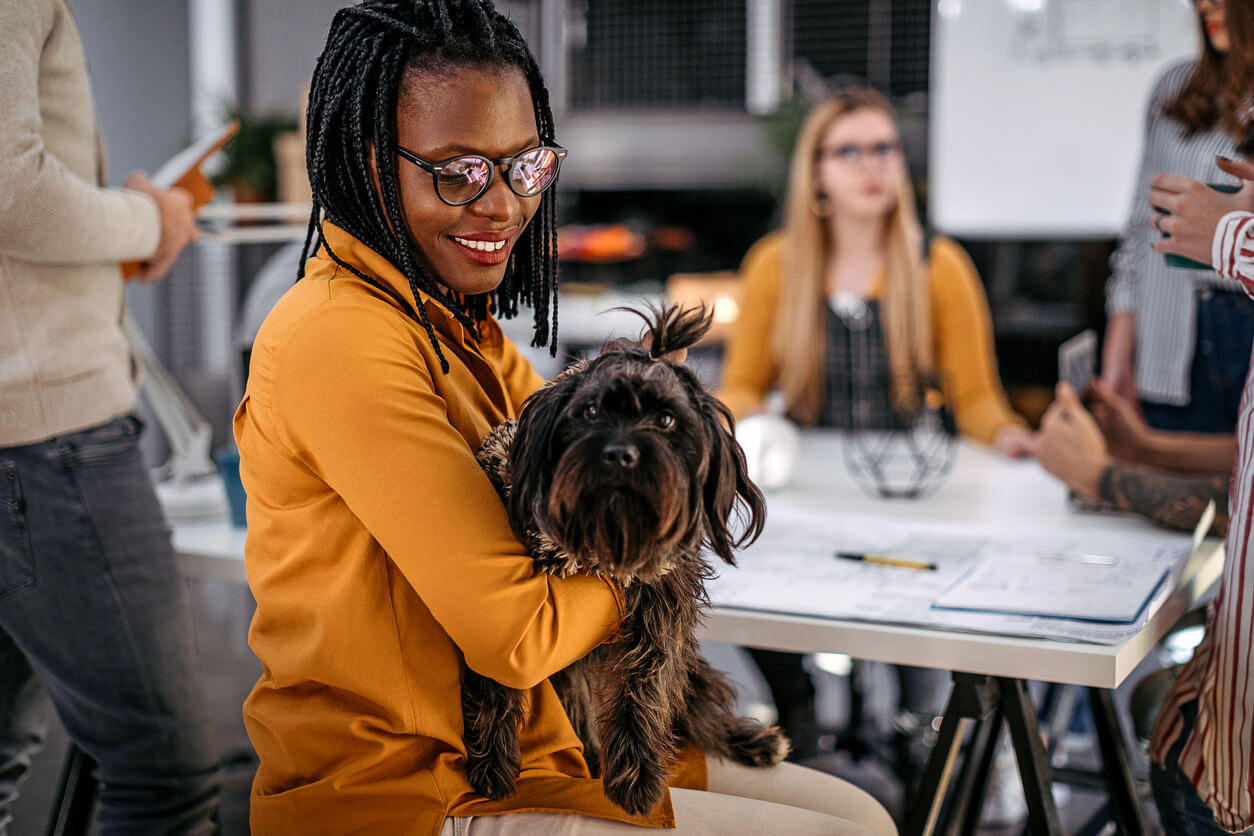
(183, 171)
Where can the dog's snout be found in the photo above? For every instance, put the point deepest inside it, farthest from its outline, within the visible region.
(620, 454)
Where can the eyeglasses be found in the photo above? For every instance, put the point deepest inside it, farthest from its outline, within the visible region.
(462, 180)
(852, 153)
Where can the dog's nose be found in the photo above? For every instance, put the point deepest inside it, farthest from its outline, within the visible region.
(620, 454)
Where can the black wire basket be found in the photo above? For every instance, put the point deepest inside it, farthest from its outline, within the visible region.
(902, 447)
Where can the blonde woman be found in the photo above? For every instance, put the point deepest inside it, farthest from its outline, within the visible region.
(844, 304)
(846, 290)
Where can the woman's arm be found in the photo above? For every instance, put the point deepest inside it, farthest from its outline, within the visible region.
(747, 370)
(1119, 354)
(357, 406)
(963, 333)
(1131, 439)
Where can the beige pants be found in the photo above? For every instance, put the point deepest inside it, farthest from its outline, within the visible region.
(784, 799)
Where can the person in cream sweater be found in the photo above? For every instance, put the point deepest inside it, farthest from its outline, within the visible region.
(93, 610)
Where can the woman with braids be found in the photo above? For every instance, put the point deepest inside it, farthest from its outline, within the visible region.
(380, 557)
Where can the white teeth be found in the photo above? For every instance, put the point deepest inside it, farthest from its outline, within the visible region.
(482, 246)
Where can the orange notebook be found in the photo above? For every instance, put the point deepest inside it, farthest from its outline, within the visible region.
(184, 171)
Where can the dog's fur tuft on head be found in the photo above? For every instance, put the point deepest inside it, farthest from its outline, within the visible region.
(625, 466)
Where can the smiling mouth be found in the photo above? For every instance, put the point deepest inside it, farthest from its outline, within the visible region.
(486, 253)
(481, 246)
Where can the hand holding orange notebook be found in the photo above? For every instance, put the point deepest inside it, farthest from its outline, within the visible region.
(183, 171)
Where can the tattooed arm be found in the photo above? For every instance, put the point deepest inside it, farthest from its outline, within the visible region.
(1166, 498)
(1070, 446)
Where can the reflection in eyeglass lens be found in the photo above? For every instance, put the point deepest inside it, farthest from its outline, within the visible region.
(464, 178)
(532, 171)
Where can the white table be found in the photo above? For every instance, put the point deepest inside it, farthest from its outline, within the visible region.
(983, 489)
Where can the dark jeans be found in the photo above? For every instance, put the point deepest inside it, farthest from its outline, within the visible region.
(1181, 810)
(94, 613)
(1221, 358)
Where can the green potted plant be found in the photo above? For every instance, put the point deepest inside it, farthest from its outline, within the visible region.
(248, 165)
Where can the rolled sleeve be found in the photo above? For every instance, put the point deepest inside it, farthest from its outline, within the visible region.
(1232, 251)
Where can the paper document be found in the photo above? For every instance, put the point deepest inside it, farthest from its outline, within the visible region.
(192, 157)
(1060, 584)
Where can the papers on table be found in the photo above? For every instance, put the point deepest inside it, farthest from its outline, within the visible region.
(791, 569)
(1093, 587)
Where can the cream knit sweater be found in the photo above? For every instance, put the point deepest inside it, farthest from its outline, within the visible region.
(64, 363)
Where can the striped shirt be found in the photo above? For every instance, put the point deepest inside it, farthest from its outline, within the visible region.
(1162, 298)
(1218, 757)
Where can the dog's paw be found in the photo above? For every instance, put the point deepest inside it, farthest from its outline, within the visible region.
(638, 793)
(493, 778)
(757, 745)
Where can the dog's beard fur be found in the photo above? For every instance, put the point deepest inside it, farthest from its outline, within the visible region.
(629, 525)
(626, 467)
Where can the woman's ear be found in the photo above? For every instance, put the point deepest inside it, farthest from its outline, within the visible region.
(728, 491)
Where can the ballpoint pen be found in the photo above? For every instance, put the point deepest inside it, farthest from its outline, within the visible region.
(884, 560)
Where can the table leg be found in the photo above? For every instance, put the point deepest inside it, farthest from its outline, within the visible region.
(972, 697)
(973, 782)
(1034, 771)
(1124, 800)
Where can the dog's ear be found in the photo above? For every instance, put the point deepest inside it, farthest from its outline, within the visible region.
(728, 491)
(531, 457)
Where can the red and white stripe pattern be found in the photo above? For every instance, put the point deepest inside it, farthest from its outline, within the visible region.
(1219, 755)
(1232, 252)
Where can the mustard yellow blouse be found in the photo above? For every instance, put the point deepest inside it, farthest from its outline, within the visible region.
(961, 328)
(382, 562)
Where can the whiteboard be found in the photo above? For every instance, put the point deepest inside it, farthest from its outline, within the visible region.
(1038, 108)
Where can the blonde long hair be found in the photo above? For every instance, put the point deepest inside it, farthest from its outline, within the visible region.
(798, 345)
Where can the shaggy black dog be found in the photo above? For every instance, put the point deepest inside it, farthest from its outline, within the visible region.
(624, 466)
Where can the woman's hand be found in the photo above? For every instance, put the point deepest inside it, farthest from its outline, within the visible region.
(1070, 444)
(1196, 209)
(1118, 352)
(1015, 442)
(1127, 435)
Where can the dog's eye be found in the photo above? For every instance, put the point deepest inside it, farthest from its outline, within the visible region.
(665, 420)
(591, 412)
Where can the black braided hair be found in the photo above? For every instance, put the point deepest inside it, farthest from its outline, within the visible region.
(352, 105)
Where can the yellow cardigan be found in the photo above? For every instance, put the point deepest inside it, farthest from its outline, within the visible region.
(382, 561)
(961, 328)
